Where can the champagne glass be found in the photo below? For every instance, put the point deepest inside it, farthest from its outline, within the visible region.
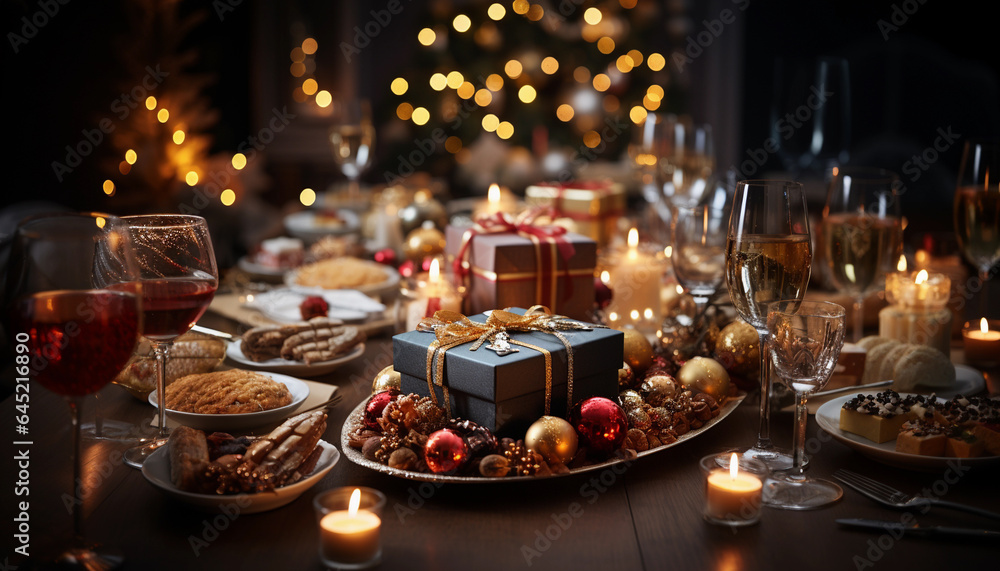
(768, 260)
(977, 208)
(699, 251)
(352, 137)
(73, 299)
(862, 233)
(179, 278)
(804, 346)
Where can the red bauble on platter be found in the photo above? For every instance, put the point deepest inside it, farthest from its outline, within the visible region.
(376, 404)
(445, 451)
(600, 423)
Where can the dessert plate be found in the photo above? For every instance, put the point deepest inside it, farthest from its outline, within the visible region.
(311, 225)
(156, 470)
(244, 421)
(234, 353)
(282, 305)
(390, 284)
(355, 456)
(828, 418)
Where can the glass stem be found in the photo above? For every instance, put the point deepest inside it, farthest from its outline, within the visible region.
(984, 278)
(764, 431)
(799, 444)
(160, 352)
(859, 318)
(76, 505)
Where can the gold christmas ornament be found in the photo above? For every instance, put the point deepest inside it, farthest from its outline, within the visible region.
(386, 379)
(705, 375)
(424, 242)
(553, 438)
(638, 350)
(738, 349)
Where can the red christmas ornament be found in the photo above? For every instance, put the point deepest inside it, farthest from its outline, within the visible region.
(445, 451)
(313, 306)
(386, 256)
(376, 404)
(600, 423)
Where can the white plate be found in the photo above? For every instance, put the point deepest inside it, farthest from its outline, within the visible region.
(355, 456)
(259, 271)
(306, 225)
(282, 305)
(244, 421)
(156, 469)
(968, 382)
(828, 417)
(234, 353)
(390, 284)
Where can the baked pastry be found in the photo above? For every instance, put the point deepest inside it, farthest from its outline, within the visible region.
(921, 365)
(922, 438)
(872, 341)
(188, 451)
(313, 341)
(873, 361)
(234, 391)
(878, 417)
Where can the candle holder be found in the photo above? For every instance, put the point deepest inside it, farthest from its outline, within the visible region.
(349, 536)
(733, 497)
(635, 277)
(917, 312)
(981, 340)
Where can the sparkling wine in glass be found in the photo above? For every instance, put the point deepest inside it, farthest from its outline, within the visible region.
(804, 346)
(977, 208)
(352, 138)
(699, 251)
(862, 233)
(179, 278)
(73, 298)
(768, 263)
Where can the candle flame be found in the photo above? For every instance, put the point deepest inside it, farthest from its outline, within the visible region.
(633, 238)
(734, 465)
(352, 508)
(493, 194)
(901, 266)
(921, 277)
(434, 273)
(984, 326)
(605, 276)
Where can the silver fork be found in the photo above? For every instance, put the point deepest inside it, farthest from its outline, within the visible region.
(890, 496)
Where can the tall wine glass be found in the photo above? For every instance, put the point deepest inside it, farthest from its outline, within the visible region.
(699, 251)
(73, 299)
(977, 207)
(179, 278)
(862, 232)
(804, 346)
(768, 262)
(352, 137)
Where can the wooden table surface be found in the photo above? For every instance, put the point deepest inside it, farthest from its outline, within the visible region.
(645, 515)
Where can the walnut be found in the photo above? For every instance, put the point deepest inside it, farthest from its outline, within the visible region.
(403, 459)
(701, 410)
(636, 440)
(494, 466)
(370, 447)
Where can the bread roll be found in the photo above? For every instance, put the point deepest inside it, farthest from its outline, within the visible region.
(873, 362)
(872, 341)
(887, 371)
(924, 366)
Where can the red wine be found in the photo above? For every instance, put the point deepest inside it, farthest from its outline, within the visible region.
(78, 340)
(171, 306)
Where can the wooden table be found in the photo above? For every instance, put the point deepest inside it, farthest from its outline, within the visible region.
(643, 516)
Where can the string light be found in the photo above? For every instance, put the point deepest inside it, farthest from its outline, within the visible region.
(324, 98)
(162, 115)
(461, 23)
(108, 187)
(426, 37)
(496, 11)
(130, 157)
(179, 136)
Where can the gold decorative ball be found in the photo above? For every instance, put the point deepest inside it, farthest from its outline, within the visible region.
(553, 438)
(424, 242)
(638, 350)
(386, 379)
(705, 375)
(738, 349)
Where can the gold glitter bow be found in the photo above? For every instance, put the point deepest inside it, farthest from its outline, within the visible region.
(452, 329)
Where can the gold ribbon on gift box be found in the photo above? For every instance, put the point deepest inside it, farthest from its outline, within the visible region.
(452, 329)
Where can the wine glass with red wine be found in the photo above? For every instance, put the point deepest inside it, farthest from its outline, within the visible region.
(73, 298)
(179, 278)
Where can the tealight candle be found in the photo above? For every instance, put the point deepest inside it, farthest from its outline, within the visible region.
(349, 535)
(635, 289)
(733, 489)
(917, 313)
(982, 343)
(497, 200)
(433, 295)
(920, 291)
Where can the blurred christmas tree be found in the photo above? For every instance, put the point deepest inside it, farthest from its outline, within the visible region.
(567, 78)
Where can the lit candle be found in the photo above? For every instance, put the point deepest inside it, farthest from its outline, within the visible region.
(982, 344)
(497, 200)
(635, 289)
(350, 536)
(917, 313)
(433, 295)
(732, 496)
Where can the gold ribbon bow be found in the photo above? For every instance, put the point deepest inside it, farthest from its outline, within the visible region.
(452, 329)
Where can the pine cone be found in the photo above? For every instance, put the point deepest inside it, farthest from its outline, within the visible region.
(523, 461)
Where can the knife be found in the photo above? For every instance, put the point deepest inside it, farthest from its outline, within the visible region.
(856, 388)
(895, 526)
